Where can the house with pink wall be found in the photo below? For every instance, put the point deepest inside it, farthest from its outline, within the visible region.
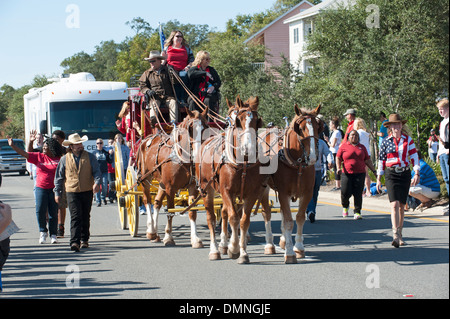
(275, 36)
(301, 26)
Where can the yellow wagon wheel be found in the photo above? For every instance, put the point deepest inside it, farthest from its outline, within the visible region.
(120, 181)
(133, 201)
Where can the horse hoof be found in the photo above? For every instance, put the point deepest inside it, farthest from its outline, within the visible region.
(233, 255)
(223, 250)
(197, 245)
(299, 253)
(290, 260)
(169, 243)
(243, 260)
(282, 244)
(214, 256)
(154, 238)
(269, 250)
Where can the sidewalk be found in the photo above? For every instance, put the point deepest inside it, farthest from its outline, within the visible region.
(380, 203)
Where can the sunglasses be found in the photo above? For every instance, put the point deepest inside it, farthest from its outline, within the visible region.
(99, 143)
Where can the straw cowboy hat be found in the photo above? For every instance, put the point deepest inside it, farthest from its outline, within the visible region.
(394, 118)
(75, 139)
(154, 55)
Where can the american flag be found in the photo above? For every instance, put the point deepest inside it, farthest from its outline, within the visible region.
(399, 153)
(162, 38)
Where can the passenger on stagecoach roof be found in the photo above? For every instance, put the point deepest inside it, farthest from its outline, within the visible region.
(180, 57)
(177, 52)
(204, 83)
(157, 87)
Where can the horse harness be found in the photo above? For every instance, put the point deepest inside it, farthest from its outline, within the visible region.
(164, 142)
(220, 145)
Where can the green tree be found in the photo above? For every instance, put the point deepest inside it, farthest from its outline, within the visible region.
(13, 124)
(233, 60)
(101, 63)
(398, 66)
(79, 62)
(6, 93)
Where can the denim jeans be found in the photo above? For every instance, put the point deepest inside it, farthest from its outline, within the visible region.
(313, 203)
(102, 194)
(45, 201)
(443, 159)
(179, 90)
(433, 157)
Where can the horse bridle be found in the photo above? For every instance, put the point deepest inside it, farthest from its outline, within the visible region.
(304, 160)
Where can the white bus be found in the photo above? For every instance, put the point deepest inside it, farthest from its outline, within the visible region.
(75, 103)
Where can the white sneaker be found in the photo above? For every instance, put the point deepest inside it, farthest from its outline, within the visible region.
(54, 240)
(42, 238)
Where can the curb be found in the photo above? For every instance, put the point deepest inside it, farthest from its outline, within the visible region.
(380, 204)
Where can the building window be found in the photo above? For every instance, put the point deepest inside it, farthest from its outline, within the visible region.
(296, 36)
(308, 67)
(308, 29)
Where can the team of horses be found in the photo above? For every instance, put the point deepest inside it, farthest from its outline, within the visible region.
(242, 167)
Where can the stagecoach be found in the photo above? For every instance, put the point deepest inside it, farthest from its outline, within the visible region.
(227, 189)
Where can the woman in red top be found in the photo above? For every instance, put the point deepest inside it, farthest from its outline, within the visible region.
(180, 57)
(46, 163)
(354, 158)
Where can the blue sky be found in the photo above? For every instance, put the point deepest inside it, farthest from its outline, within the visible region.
(35, 36)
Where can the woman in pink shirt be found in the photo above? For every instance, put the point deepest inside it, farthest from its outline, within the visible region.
(46, 163)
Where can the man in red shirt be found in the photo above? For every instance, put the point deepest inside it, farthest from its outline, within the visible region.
(350, 115)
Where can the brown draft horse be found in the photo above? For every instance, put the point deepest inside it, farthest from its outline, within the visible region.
(170, 162)
(229, 165)
(297, 150)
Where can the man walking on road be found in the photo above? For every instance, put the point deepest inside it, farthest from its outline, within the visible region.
(78, 171)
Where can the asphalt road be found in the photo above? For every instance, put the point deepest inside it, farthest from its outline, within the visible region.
(344, 259)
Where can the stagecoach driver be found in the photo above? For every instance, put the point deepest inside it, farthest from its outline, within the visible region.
(157, 87)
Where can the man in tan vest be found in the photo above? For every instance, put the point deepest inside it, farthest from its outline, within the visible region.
(78, 171)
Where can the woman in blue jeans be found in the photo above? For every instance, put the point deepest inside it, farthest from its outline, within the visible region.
(46, 163)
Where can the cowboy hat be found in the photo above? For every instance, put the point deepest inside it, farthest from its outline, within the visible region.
(350, 111)
(394, 118)
(154, 55)
(75, 139)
